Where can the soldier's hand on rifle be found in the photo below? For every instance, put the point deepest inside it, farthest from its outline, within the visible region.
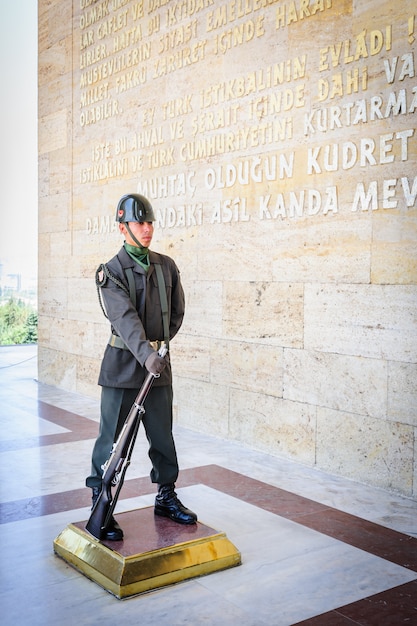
(155, 363)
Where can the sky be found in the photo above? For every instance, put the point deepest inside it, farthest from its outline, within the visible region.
(18, 132)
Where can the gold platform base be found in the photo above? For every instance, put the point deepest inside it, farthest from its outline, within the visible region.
(155, 552)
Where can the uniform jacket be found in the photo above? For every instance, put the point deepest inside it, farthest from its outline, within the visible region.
(138, 326)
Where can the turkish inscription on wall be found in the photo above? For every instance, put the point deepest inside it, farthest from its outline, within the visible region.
(248, 109)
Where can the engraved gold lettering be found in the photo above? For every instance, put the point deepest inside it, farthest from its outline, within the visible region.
(289, 13)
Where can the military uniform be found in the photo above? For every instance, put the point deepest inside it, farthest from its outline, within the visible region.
(144, 302)
(122, 370)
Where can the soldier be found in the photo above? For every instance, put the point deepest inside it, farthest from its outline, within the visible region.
(144, 302)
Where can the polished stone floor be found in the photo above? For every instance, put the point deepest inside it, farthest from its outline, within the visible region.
(316, 549)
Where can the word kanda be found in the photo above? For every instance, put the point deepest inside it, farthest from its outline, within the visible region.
(305, 202)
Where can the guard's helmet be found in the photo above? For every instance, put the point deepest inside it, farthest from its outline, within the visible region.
(134, 208)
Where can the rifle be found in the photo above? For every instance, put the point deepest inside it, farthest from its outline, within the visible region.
(114, 469)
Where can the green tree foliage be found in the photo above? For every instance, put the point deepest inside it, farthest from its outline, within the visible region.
(18, 323)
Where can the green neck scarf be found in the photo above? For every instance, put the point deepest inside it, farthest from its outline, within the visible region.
(139, 254)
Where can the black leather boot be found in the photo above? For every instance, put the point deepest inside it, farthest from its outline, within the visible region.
(167, 504)
(113, 532)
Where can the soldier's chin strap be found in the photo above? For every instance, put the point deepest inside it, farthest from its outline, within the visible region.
(129, 230)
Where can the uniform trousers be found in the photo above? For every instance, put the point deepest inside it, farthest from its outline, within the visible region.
(157, 421)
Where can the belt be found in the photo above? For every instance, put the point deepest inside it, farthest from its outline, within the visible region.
(116, 342)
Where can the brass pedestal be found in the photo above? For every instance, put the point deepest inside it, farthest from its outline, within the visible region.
(155, 552)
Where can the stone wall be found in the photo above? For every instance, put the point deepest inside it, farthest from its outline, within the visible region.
(277, 143)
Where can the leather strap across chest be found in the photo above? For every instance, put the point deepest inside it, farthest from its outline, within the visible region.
(115, 340)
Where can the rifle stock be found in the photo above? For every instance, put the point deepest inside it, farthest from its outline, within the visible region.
(114, 469)
(96, 523)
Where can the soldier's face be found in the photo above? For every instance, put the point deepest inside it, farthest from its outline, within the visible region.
(143, 231)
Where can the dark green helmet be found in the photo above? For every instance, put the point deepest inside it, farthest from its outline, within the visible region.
(134, 208)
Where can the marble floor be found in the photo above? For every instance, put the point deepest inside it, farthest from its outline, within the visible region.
(316, 549)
